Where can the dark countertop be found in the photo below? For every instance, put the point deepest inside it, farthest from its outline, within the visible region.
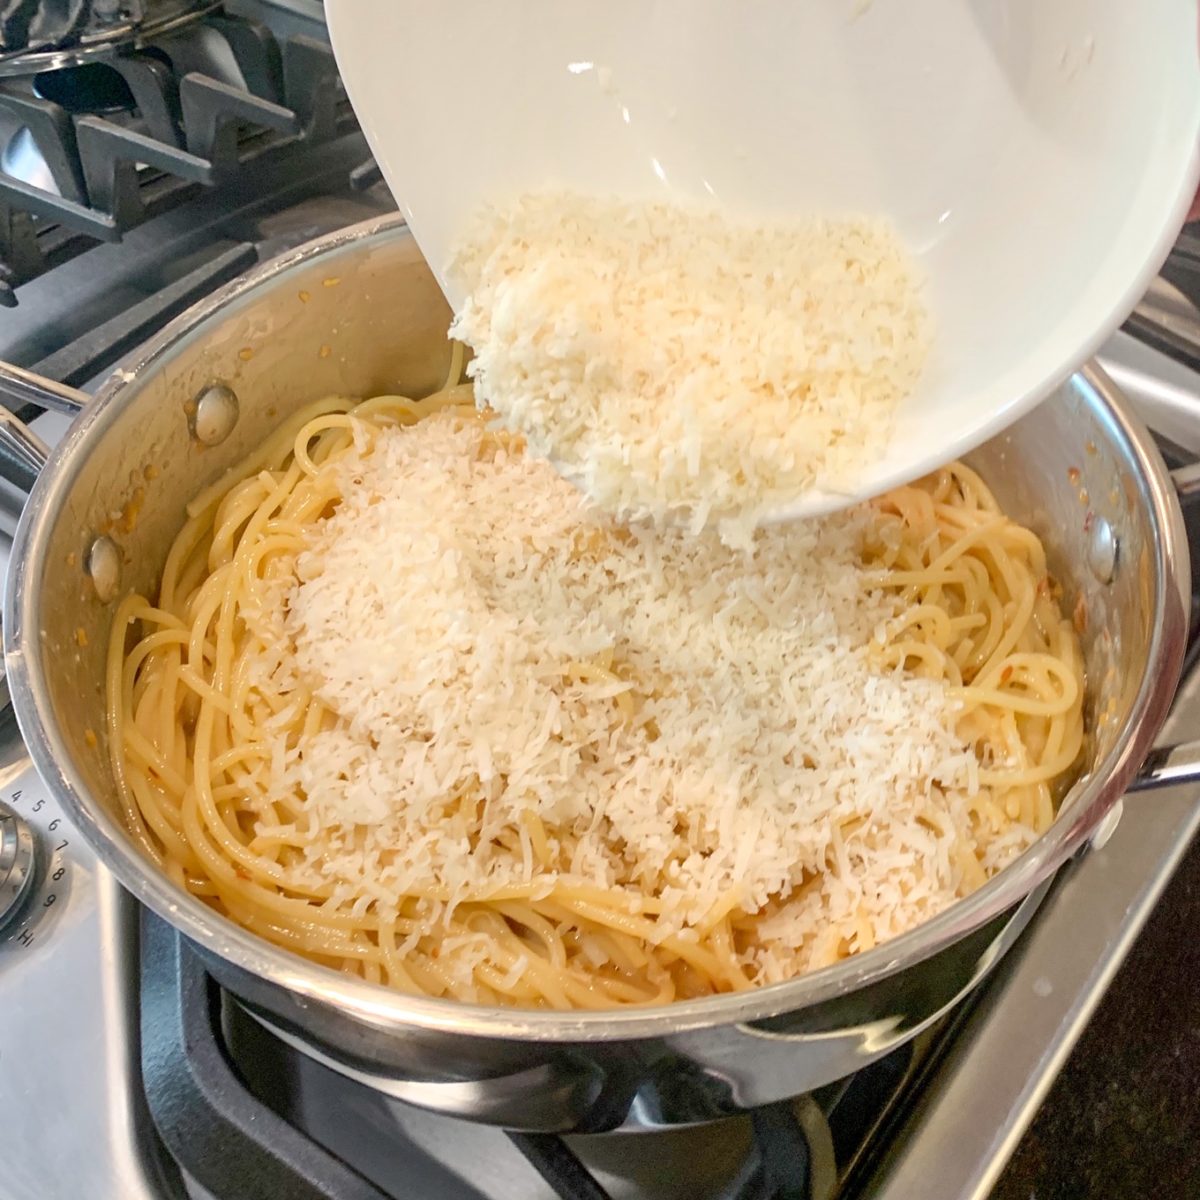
(1123, 1118)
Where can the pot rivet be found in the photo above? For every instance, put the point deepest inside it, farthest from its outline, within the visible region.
(1102, 550)
(213, 414)
(1108, 826)
(104, 567)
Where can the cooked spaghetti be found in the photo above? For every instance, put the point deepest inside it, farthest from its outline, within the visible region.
(408, 707)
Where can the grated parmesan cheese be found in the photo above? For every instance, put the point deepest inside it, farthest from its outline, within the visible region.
(679, 367)
(455, 613)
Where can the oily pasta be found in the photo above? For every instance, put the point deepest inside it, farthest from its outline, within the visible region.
(213, 730)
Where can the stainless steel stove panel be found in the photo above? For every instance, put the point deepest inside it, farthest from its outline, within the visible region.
(73, 1122)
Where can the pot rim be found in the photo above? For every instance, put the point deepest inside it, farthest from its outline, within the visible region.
(1082, 809)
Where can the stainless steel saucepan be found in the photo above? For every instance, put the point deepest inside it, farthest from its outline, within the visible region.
(359, 313)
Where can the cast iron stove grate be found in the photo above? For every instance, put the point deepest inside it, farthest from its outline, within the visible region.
(214, 1100)
(90, 150)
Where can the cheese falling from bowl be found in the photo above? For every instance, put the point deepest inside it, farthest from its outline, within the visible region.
(680, 367)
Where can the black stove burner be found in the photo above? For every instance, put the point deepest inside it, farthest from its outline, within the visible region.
(96, 148)
(94, 88)
(220, 1087)
(218, 1134)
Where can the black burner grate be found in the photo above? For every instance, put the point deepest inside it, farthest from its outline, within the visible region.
(222, 1135)
(90, 151)
(216, 1133)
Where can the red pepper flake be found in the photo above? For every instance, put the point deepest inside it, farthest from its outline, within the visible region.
(1079, 618)
(1073, 474)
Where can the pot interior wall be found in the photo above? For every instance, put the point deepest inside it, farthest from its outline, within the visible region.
(367, 318)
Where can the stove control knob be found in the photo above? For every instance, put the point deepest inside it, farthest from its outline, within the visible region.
(17, 863)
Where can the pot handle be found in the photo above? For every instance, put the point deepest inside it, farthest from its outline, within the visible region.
(1168, 766)
(19, 387)
(23, 452)
(21, 443)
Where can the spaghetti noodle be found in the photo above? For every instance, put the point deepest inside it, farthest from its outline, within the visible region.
(237, 774)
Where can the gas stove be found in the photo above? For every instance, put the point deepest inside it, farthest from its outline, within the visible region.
(135, 105)
(126, 1073)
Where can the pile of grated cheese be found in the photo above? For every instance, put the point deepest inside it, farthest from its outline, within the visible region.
(678, 366)
(448, 612)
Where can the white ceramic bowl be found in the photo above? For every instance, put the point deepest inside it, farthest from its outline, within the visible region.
(1037, 155)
